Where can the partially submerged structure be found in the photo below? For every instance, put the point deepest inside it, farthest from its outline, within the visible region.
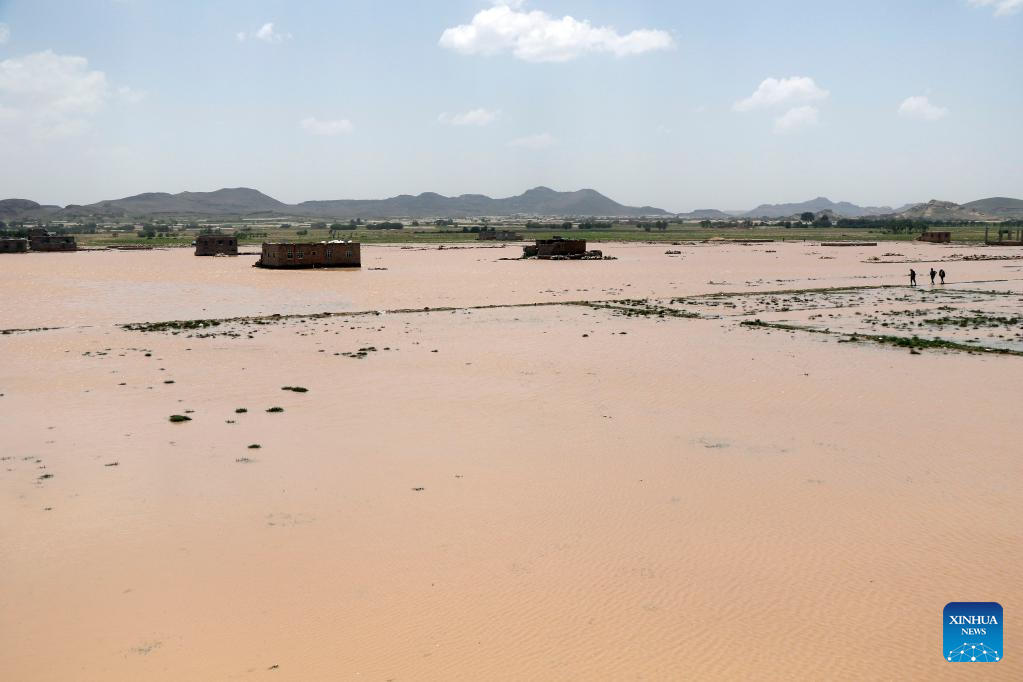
(216, 245)
(13, 245)
(557, 248)
(41, 240)
(1006, 237)
(332, 254)
(491, 234)
(936, 237)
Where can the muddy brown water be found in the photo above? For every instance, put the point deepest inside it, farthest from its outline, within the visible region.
(548, 492)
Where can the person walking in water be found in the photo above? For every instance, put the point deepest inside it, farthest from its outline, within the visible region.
(941, 274)
(912, 277)
(933, 273)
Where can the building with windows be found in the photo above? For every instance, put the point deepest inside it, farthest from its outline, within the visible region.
(41, 240)
(216, 245)
(332, 254)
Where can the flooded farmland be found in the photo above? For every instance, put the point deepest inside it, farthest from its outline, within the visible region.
(758, 461)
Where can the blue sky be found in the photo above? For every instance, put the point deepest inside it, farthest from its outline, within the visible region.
(663, 103)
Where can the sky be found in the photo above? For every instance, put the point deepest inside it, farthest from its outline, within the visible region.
(675, 104)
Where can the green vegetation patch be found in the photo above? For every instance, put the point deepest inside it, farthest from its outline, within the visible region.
(911, 342)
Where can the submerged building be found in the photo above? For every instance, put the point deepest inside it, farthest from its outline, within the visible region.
(216, 245)
(935, 237)
(41, 240)
(332, 254)
(13, 245)
(557, 248)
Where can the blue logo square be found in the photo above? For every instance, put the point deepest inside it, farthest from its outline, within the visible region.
(973, 632)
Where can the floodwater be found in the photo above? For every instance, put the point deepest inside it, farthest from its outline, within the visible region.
(554, 492)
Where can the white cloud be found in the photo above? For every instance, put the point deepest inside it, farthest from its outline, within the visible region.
(53, 95)
(473, 117)
(130, 95)
(538, 141)
(5, 32)
(314, 126)
(921, 108)
(536, 36)
(267, 33)
(774, 92)
(1002, 7)
(797, 117)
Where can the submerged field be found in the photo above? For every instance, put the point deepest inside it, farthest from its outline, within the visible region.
(664, 466)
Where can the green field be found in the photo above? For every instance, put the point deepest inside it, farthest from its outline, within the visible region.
(676, 232)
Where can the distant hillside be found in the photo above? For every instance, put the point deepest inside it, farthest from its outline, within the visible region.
(842, 209)
(540, 201)
(945, 210)
(537, 201)
(706, 214)
(23, 208)
(999, 207)
(238, 201)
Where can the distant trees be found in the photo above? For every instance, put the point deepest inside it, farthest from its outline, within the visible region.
(807, 217)
(340, 227)
(386, 226)
(444, 222)
(661, 225)
(891, 225)
(592, 224)
(553, 227)
(823, 221)
(319, 226)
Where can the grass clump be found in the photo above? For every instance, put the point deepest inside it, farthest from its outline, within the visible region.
(255, 446)
(176, 418)
(274, 410)
(295, 389)
(240, 410)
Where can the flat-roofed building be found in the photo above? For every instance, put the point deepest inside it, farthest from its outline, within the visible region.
(216, 245)
(13, 245)
(51, 242)
(332, 254)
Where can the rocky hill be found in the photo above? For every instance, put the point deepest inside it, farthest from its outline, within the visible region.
(242, 201)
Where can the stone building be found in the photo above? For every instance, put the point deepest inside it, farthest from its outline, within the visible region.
(216, 245)
(556, 247)
(13, 245)
(332, 254)
(935, 237)
(41, 240)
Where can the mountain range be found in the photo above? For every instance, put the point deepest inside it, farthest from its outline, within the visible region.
(539, 201)
(842, 209)
(242, 201)
(993, 209)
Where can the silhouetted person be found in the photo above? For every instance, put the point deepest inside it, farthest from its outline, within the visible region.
(933, 273)
(912, 277)
(941, 274)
